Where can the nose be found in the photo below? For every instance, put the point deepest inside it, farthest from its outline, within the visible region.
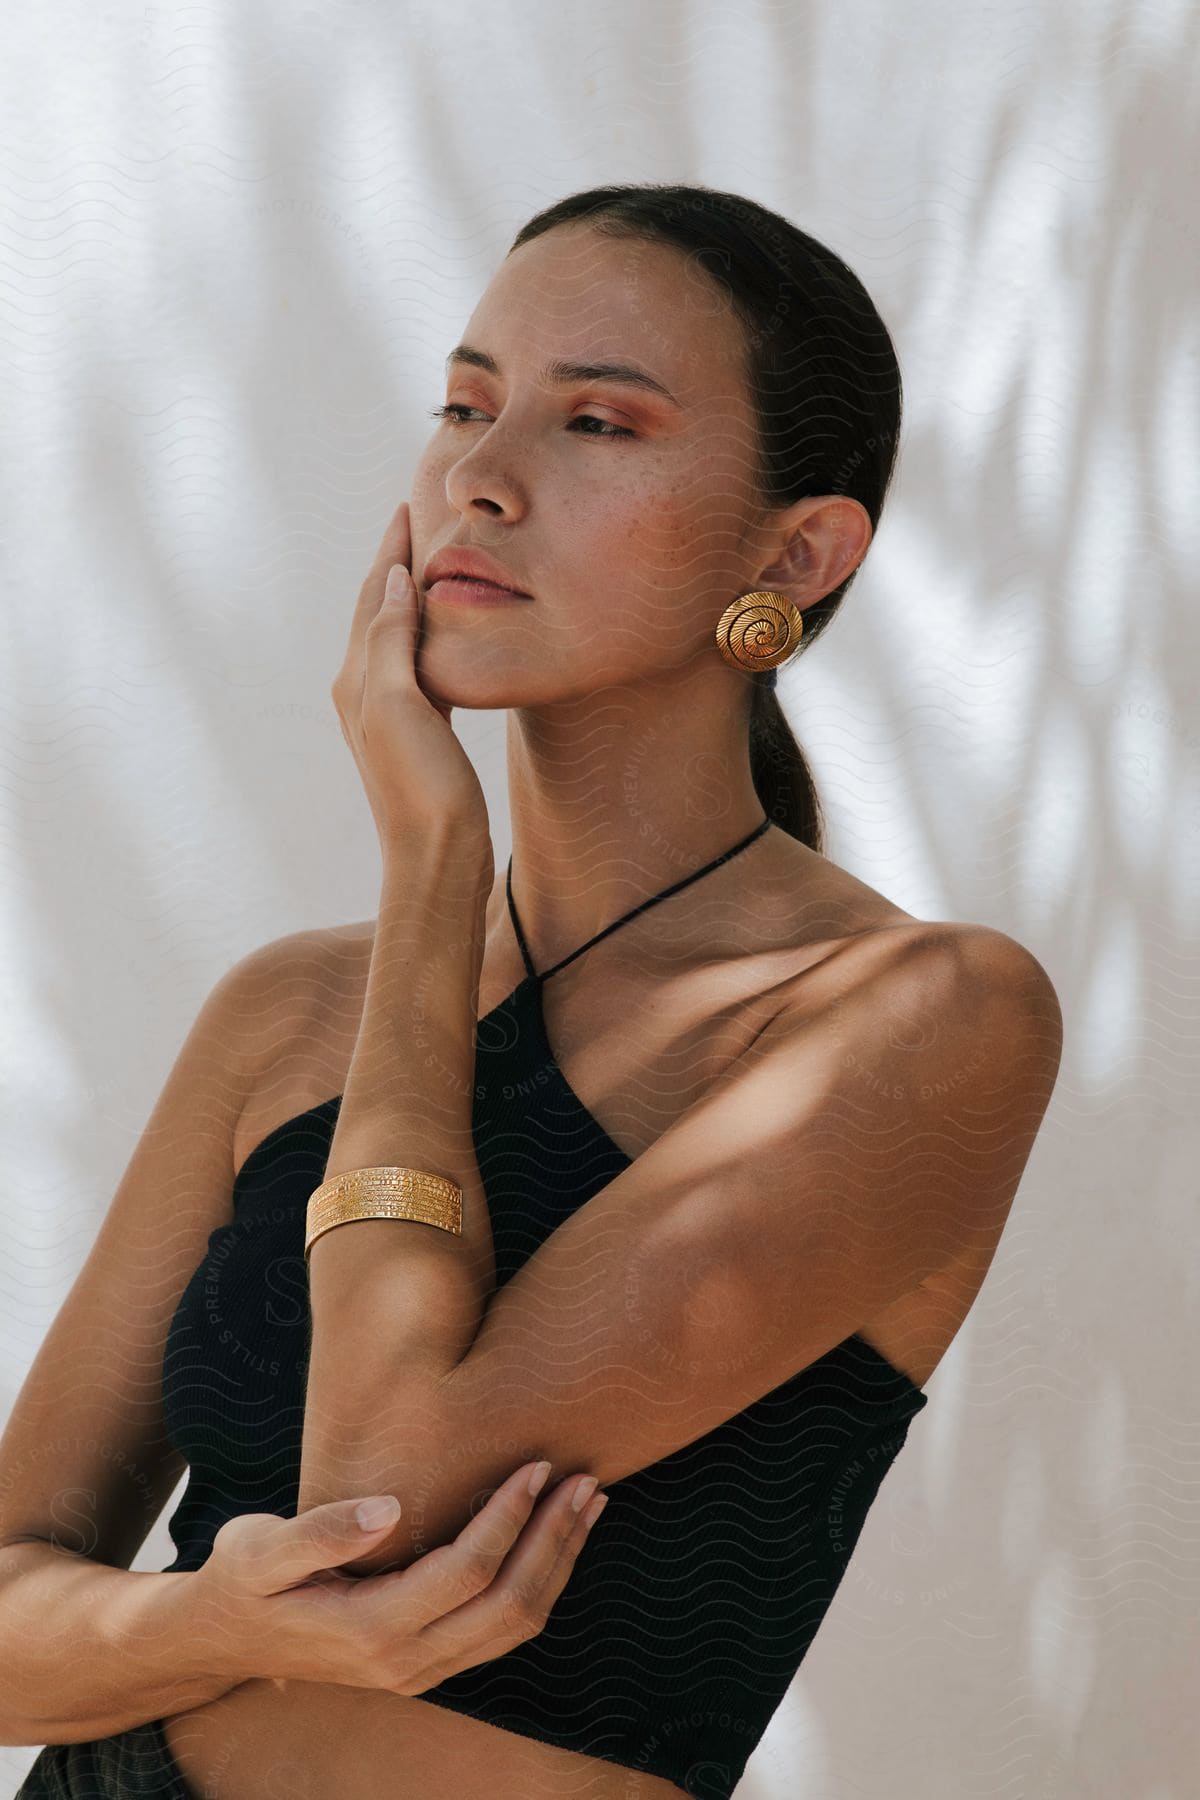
(483, 482)
(481, 493)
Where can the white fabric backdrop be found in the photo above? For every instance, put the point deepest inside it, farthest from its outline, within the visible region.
(236, 246)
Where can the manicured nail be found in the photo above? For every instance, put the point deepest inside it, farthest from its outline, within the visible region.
(372, 1515)
(594, 1510)
(583, 1493)
(537, 1480)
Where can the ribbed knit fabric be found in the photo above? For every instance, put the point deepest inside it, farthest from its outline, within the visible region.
(695, 1599)
(131, 1765)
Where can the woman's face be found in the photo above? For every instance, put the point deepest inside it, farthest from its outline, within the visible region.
(628, 515)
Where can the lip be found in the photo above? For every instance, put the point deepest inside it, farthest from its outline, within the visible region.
(459, 590)
(462, 560)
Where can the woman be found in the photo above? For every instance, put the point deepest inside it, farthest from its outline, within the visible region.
(698, 1212)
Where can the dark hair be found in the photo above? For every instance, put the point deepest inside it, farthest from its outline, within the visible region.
(823, 374)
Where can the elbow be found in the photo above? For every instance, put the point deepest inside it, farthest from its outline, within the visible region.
(390, 1441)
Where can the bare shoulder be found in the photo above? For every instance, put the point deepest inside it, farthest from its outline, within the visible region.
(346, 943)
(282, 983)
(938, 988)
(929, 1051)
(1004, 977)
(975, 964)
(860, 934)
(986, 962)
(996, 957)
(986, 973)
(308, 965)
(302, 997)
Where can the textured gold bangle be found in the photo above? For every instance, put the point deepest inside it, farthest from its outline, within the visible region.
(383, 1194)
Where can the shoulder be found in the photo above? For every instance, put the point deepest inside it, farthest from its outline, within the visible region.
(975, 964)
(977, 958)
(307, 955)
(286, 965)
(278, 991)
(881, 974)
(982, 967)
(937, 990)
(927, 1062)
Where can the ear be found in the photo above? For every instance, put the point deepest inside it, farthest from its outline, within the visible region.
(822, 540)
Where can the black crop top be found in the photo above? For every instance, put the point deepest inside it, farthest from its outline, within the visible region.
(696, 1598)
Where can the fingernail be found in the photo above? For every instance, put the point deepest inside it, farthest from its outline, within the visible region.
(372, 1515)
(583, 1493)
(537, 1480)
(594, 1510)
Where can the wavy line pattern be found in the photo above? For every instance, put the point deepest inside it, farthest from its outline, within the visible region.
(232, 251)
(680, 1632)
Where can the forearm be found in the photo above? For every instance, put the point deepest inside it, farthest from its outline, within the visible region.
(395, 1303)
(87, 1650)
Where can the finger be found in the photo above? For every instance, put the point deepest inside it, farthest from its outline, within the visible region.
(539, 1566)
(392, 641)
(332, 1578)
(395, 547)
(555, 1580)
(389, 663)
(396, 543)
(517, 1603)
(405, 621)
(443, 1578)
(277, 1553)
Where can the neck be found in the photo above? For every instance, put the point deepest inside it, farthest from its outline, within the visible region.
(613, 797)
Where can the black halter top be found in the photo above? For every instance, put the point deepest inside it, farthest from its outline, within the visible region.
(695, 1599)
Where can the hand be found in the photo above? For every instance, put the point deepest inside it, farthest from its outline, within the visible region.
(273, 1585)
(416, 773)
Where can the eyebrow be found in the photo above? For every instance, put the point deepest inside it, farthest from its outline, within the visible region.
(560, 373)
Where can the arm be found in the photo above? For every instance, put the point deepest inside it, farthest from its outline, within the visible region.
(111, 1649)
(859, 1145)
(85, 1456)
(386, 1291)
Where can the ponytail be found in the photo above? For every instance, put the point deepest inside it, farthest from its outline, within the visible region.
(783, 780)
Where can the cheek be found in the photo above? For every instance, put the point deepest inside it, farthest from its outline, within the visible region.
(428, 483)
(427, 513)
(666, 544)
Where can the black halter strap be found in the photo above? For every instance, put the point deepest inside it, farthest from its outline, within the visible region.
(625, 917)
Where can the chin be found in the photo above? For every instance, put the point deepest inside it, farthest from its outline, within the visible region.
(454, 690)
(470, 677)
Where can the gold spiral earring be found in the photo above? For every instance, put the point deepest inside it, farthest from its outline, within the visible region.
(759, 630)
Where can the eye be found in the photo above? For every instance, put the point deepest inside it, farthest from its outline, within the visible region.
(453, 415)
